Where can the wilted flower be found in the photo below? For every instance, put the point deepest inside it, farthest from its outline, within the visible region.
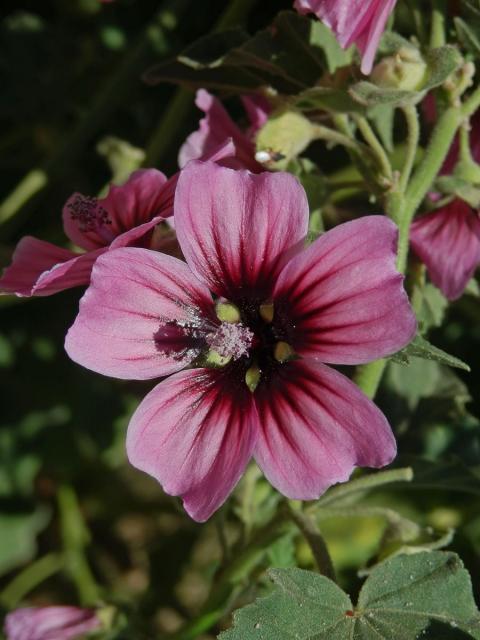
(359, 22)
(448, 242)
(254, 382)
(217, 127)
(50, 623)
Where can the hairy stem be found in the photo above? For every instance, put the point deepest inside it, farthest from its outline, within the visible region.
(312, 535)
(438, 25)
(375, 145)
(31, 577)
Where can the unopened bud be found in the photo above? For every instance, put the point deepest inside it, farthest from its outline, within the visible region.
(406, 70)
(283, 137)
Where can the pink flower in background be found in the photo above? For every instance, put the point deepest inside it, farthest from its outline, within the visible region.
(448, 242)
(280, 312)
(126, 216)
(359, 22)
(217, 126)
(50, 623)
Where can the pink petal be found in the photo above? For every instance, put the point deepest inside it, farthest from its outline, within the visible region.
(353, 21)
(94, 222)
(214, 130)
(258, 109)
(345, 297)
(234, 226)
(50, 623)
(40, 268)
(141, 316)
(448, 242)
(194, 433)
(316, 427)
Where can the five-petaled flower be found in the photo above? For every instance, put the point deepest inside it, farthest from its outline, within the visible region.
(246, 365)
(359, 22)
(50, 623)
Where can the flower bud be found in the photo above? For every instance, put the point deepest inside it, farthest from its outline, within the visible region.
(284, 136)
(406, 70)
(43, 623)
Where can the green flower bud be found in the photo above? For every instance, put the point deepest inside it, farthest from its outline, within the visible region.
(406, 70)
(283, 137)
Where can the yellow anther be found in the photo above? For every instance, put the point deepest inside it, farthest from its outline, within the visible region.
(214, 359)
(283, 352)
(252, 377)
(227, 312)
(267, 311)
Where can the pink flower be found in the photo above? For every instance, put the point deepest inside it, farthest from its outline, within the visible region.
(279, 313)
(448, 242)
(126, 216)
(217, 126)
(50, 623)
(353, 21)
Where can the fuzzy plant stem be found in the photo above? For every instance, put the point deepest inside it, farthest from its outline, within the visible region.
(369, 376)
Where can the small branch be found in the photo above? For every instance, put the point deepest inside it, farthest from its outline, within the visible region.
(413, 136)
(365, 483)
(438, 25)
(368, 376)
(312, 535)
(30, 577)
(375, 145)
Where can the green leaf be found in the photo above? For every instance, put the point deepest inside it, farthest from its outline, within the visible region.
(18, 537)
(441, 62)
(383, 120)
(305, 606)
(421, 348)
(468, 34)
(290, 56)
(441, 475)
(322, 37)
(370, 95)
(431, 306)
(328, 99)
(402, 597)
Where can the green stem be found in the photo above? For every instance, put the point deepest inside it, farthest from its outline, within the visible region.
(438, 26)
(76, 537)
(413, 137)
(30, 577)
(330, 135)
(365, 483)
(424, 176)
(418, 20)
(375, 145)
(312, 535)
(369, 376)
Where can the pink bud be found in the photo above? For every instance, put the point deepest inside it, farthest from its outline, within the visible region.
(50, 623)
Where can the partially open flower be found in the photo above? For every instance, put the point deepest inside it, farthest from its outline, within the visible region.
(217, 127)
(50, 623)
(359, 22)
(127, 216)
(448, 242)
(255, 383)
